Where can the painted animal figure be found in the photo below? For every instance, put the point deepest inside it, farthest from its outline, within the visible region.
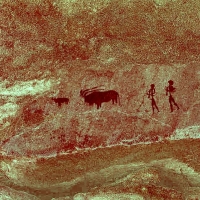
(95, 96)
(59, 101)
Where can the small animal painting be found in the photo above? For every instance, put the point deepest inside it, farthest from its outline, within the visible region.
(60, 101)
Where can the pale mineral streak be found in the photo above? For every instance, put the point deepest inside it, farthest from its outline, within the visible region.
(32, 87)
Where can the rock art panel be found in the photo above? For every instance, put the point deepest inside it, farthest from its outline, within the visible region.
(99, 99)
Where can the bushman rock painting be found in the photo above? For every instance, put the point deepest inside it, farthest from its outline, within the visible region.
(100, 99)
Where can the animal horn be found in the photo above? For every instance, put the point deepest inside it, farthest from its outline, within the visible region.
(88, 91)
(91, 91)
(84, 92)
(81, 92)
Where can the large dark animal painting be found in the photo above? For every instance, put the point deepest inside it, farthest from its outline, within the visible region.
(59, 101)
(97, 96)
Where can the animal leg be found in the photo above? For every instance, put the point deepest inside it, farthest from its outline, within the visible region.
(98, 105)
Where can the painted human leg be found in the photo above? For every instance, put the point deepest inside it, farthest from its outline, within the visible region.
(153, 104)
(175, 103)
(170, 102)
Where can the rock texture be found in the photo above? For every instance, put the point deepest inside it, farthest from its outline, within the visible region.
(53, 49)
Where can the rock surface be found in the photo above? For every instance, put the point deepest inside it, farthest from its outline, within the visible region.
(51, 48)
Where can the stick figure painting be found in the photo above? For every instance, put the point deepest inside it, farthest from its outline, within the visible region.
(151, 94)
(169, 90)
